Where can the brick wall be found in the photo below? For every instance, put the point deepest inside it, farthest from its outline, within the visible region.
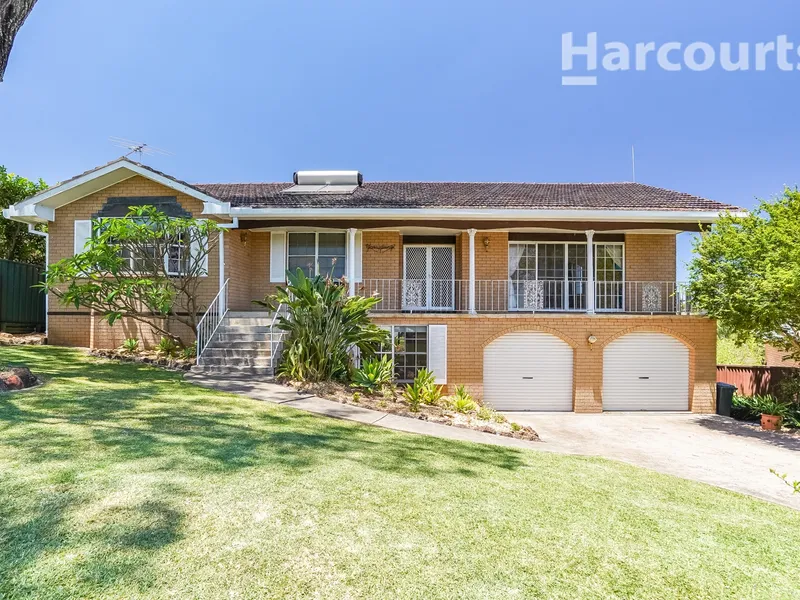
(381, 262)
(75, 327)
(650, 257)
(773, 357)
(468, 335)
(238, 270)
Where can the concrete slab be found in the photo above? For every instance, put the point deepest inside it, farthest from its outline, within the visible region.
(708, 448)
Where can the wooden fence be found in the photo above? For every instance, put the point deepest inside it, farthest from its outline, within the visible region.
(754, 380)
(21, 305)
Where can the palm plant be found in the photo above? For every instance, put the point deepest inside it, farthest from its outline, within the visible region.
(323, 327)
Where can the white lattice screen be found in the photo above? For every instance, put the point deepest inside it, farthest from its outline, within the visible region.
(428, 277)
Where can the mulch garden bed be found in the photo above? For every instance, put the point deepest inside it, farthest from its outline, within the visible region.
(146, 357)
(21, 339)
(392, 402)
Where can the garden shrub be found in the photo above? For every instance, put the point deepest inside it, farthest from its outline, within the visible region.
(131, 345)
(423, 390)
(323, 325)
(374, 373)
(462, 401)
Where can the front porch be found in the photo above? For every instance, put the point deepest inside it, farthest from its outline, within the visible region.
(526, 296)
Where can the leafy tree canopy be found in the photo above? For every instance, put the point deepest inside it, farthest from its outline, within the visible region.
(146, 266)
(746, 273)
(15, 241)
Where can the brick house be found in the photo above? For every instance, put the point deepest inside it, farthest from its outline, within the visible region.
(535, 296)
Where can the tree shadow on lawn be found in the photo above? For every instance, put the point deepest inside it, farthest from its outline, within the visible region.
(111, 550)
(116, 419)
(730, 426)
(136, 411)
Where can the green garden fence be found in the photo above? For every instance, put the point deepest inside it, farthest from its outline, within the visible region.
(22, 306)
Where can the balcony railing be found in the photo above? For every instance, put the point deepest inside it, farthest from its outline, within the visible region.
(539, 295)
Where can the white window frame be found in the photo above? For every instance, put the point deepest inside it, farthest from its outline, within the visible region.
(429, 269)
(566, 281)
(624, 276)
(188, 247)
(391, 353)
(316, 233)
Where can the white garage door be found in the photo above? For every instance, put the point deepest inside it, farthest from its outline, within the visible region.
(528, 371)
(646, 371)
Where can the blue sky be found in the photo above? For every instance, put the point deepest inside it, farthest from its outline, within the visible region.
(399, 90)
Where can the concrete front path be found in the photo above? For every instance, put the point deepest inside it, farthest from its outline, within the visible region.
(268, 391)
(706, 448)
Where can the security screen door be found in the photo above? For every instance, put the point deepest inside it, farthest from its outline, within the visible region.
(429, 278)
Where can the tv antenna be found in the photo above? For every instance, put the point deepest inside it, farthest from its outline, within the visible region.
(138, 148)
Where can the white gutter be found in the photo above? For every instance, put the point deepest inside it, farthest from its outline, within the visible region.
(46, 237)
(492, 214)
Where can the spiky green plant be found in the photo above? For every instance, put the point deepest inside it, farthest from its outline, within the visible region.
(323, 326)
(462, 401)
(130, 346)
(374, 373)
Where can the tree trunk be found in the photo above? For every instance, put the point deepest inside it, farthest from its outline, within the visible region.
(12, 15)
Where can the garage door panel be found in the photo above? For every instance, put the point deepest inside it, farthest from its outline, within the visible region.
(528, 371)
(646, 371)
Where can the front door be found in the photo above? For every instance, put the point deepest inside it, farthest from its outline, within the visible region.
(429, 277)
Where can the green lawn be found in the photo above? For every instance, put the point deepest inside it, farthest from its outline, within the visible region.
(118, 481)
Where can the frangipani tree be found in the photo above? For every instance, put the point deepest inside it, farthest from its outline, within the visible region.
(747, 273)
(146, 266)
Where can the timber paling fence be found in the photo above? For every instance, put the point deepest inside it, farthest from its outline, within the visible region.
(754, 380)
(22, 306)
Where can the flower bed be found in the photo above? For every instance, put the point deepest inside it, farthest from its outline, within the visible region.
(147, 357)
(390, 402)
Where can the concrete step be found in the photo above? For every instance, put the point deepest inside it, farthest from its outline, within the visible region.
(217, 370)
(247, 322)
(241, 337)
(247, 314)
(243, 329)
(250, 352)
(240, 344)
(226, 361)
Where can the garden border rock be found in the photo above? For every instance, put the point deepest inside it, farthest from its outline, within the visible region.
(169, 364)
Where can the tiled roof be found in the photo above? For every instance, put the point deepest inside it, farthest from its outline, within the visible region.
(399, 194)
(412, 194)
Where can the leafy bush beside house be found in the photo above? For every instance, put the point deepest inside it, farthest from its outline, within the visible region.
(146, 266)
(324, 325)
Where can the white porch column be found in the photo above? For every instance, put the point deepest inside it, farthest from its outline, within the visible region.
(221, 242)
(351, 261)
(472, 233)
(590, 294)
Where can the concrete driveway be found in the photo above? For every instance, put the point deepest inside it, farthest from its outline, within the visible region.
(708, 448)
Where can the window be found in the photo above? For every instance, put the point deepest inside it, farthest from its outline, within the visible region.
(408, 349)
(317, 253)
(609, 276)
(179, 255)
(557, 273)
(177, 259)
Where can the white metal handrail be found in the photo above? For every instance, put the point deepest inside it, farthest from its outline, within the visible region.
(274, 346)
(535, 295)
(211, 320)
